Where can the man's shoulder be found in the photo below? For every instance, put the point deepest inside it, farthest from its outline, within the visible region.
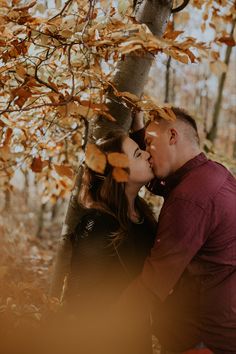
(202, 183)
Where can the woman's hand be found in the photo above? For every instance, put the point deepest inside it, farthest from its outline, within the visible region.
(138, 121)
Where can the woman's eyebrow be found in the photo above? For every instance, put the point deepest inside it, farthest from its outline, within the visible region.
(136, 151)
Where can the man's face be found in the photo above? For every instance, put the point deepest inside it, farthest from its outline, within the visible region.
(157, 138)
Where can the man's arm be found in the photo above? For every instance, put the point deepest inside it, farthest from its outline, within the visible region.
(181, 233)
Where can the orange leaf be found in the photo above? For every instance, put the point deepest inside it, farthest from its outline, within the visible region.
(128, 95)
(95, 159)
(117, 159)
(227, 40)
(27, 7)
(7, 136)
(5, 153)
(22, 94)
(120, 175)
(63, 171)
(172, 34)
(37, 165)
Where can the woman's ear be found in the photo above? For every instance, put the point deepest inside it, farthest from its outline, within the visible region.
(173, 136)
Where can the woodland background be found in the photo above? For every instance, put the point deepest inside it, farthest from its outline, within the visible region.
(57, 60)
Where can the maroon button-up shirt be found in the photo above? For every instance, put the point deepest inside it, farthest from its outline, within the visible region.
(192, 266)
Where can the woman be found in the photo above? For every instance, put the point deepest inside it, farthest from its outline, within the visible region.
(111, 242)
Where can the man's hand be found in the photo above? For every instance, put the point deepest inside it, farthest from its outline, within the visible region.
(138, 121)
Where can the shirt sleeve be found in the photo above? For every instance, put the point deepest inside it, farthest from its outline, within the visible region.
(182, 230)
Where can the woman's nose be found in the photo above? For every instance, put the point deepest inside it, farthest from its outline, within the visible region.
(146, 155)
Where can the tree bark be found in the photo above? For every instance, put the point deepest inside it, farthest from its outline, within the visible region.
(167, 83)
(131, 76)
(212, 134)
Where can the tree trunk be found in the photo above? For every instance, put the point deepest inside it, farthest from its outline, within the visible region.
(216, 112)
(131, 76)
(40, 220)
(7, 205)
(167, 83)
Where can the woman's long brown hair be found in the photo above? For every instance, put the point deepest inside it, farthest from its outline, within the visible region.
(103, 192)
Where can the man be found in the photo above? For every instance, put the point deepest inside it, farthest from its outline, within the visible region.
(189, 279)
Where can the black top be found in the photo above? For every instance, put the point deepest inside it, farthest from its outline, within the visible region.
(100, 271)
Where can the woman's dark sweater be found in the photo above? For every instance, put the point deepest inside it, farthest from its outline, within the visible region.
(101, 271)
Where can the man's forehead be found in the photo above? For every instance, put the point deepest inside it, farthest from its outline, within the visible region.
(152, 129)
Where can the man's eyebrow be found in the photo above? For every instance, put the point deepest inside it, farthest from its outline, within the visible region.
(136, 150)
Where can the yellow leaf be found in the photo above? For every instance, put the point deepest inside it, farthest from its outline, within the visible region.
(85, 111)
(95, 159)
(123, 6)
(66, 33)
(218, 67)
(117, 159)
(129, 95)
(63, 171)
(130, 48)
(120, 175)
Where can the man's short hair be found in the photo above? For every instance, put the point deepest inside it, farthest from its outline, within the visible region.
(183, 116)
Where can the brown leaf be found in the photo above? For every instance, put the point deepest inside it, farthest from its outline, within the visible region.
(120, 175)
(117, 159)
(7, 136)
(27, 7)
(5, 153)
(172, 34)
(37, 165)
(128, 95)
(63, 171)
(95, 159)
(227, 40)
(23, 94)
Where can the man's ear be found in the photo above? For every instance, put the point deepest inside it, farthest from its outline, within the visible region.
(173, 136)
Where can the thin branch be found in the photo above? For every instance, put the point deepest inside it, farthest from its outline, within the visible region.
(180, 7)
(62, 10)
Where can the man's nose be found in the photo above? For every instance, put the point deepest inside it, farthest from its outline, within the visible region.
(147, 148)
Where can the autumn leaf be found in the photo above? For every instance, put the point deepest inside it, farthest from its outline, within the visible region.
(5, 153)
(95, 159)
(117, 159)
(227, 40)
(7, 136)
(23, 94)
(218, 67)
(172, 34)
(64, 171)
(128, 95)
(37, 165)
(120, 175)
(27, 7)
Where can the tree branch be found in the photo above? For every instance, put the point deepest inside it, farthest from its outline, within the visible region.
(180, 7)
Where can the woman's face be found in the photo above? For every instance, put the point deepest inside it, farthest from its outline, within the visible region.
(140, 169)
